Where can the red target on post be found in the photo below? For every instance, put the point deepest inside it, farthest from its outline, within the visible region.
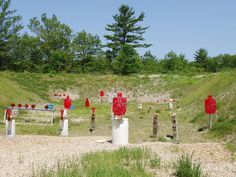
(8, 114)
(102, 93)
(87, 103)
(26, 106)
(119, 105)
(67, 102)
(210, 105)
(93, 109)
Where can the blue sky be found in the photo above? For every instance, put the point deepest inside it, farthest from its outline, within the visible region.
(182, 26)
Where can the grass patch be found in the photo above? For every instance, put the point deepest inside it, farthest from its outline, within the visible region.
(231, 147)
(222, 128)
(184, 167)
(119, 163)
(24, 129)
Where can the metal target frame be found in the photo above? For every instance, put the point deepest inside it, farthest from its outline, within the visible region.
(26, 108)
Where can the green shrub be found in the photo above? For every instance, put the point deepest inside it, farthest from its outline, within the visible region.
(186, 168)
(158, 111)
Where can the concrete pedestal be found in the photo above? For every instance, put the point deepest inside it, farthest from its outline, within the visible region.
(170, 106)
(120, 131)
(10, 128)
(64, 127)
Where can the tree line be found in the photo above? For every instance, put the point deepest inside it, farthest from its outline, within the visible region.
(53, 47)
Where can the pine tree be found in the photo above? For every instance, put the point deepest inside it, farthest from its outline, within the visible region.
(125, 30)
(201, 58)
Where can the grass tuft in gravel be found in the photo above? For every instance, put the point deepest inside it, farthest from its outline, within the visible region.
(119, 163)
(184, 167)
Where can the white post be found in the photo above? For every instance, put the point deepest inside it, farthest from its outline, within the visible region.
(10, 128)
(170, 106)
(64, 124)
(120, 131)
(52, 118)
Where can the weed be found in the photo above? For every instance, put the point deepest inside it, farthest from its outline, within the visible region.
(184, 167)
(155, 162)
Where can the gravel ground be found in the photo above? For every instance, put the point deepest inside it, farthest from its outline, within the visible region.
(24, 154)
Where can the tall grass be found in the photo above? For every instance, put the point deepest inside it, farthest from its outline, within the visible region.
(184, 167)
(119, 163)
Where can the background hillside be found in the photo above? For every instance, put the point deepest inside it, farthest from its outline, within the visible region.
(189, 91)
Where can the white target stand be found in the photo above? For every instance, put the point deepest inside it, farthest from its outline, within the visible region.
(170, 106)
(64, 123)
(10, 125)
(120, 131)
(11, 128)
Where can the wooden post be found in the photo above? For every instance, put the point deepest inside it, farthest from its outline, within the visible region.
(155, 125)
(92, 123)
(52, 118)
(5, 116)
(174, 126)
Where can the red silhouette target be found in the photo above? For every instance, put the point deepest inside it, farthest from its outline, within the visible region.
(102, 93)
(119, 105)
(93, 109)
(67, 102)
(86, 104)
(210, 105)
(8, 114)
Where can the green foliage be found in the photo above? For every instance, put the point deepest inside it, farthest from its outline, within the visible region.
(173, 62)
(9, 28)
(184, 167)
(201, 57)
(86, 44)
(26, 54)
(55, 39)
(221, 62)
(125, 30)
(150, 63)
(127, 61)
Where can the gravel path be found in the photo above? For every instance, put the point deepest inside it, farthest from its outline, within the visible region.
(24, 154)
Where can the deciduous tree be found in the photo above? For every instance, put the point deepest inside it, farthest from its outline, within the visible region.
(9, 29)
